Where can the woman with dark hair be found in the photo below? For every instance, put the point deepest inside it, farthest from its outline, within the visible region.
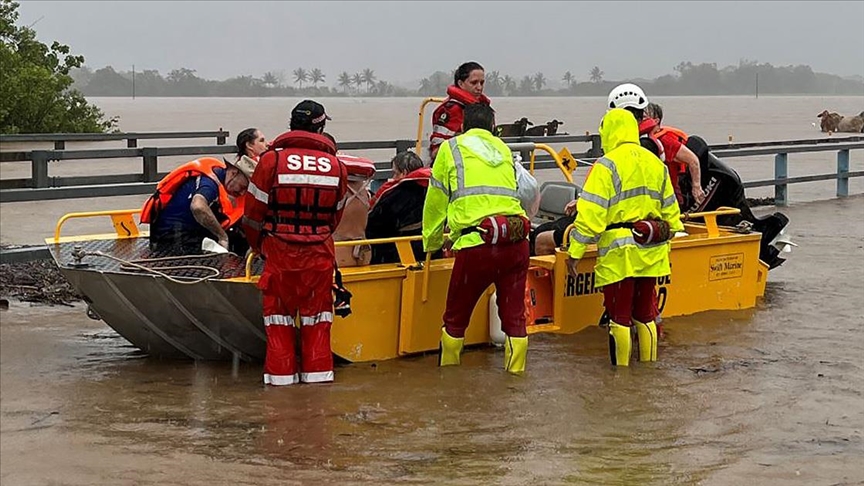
(251, 143)
(397, 208)
(467, 89)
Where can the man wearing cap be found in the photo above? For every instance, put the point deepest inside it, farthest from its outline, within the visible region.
(195, 201)
(293, 206)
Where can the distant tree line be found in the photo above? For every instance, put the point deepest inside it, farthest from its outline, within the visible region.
(706, 79)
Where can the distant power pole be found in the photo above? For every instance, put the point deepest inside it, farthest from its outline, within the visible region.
(757, 85)
(133, 81)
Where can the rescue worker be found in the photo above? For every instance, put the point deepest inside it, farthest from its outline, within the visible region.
(677, 156)
(473, 189)
(195, 201)
(397, 208)
(628, 208)
(293, 206)
(467, 88)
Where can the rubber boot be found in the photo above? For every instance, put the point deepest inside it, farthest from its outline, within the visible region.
(451, 349)
(515, 354)
(619, 344)
(647, 335)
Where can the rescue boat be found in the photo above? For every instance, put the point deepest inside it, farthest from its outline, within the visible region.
(208, 307)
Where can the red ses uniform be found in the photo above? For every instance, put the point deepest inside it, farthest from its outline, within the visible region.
(447, 118)
(292, 207)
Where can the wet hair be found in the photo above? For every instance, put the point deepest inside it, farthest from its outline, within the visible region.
(406, 162)
(478, 115)
(653, 110)
(465, 70)
(244, 137)
(639, 113)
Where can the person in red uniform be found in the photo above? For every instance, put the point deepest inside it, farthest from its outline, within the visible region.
(293, 206)
(467, 88)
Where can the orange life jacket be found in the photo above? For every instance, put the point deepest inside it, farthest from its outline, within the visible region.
(674, 167)
(233, 210)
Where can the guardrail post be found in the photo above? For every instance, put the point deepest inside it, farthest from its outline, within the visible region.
(39, 168)
(404, 145)
(131, 142)
(842, 173)
(151, 163)
(220, 139)
(59, 145)
(596, 146)
(780, 172)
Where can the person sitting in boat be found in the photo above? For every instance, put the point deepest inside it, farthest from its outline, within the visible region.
(251, 143)
(467, 88)
(397, 208)
(195, 201)
(473, 189)
(293, 206)
(545, 238)
(675, 153)
(355, 211)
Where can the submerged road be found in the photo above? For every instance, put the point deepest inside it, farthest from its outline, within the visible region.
(772, 395)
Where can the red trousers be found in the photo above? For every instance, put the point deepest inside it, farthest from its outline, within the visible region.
(631, 298)
(297, 288)
(474, 270)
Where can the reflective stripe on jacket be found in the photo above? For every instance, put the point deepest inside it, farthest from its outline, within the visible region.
(628, 184)
(473, 178)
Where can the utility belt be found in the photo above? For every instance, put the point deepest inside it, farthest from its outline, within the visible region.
(646, 231)
(499, 230)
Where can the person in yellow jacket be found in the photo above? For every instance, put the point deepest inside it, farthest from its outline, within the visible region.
(628, 208)
(473, 190)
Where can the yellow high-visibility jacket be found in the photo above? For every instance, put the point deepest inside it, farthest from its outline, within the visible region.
(473, 178)
(628, 184)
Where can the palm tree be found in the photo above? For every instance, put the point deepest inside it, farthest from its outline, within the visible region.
(569, 79)
(539, 81)
(357, 79)
(317, 76)
(596, 75)
(300, 76)
(345, 81)
(509, 84)
(271, 79)
(368, 78)
(526, 86)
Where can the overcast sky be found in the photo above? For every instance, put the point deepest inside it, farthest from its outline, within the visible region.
(404, 41)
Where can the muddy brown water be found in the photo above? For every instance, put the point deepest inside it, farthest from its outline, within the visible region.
(771, 395)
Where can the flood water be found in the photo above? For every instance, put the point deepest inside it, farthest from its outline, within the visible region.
(771, 395)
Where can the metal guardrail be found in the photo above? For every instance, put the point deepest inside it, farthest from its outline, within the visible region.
(60, 139)
(40, 186)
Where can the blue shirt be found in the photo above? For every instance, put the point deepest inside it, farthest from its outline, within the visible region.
(176, 217)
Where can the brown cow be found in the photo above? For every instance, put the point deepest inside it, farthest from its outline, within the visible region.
(830, 121)
(851, 124)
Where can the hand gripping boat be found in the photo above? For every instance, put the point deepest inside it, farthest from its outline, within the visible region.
(208, 307)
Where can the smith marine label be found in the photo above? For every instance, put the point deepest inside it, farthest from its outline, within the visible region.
(726, 266)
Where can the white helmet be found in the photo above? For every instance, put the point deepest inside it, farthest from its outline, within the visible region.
(627, 95)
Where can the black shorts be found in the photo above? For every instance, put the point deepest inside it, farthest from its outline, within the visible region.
(557, 227)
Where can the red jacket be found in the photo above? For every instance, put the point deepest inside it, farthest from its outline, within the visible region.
(447, 118)
(420, 176)
(297, 191)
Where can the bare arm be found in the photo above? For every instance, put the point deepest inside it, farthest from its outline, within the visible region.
(205, 217)
(686, 156)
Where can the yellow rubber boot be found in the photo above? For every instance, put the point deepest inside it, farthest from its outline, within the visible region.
(515, 354)
(647, 335)
(451, 349)
(619, 344)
